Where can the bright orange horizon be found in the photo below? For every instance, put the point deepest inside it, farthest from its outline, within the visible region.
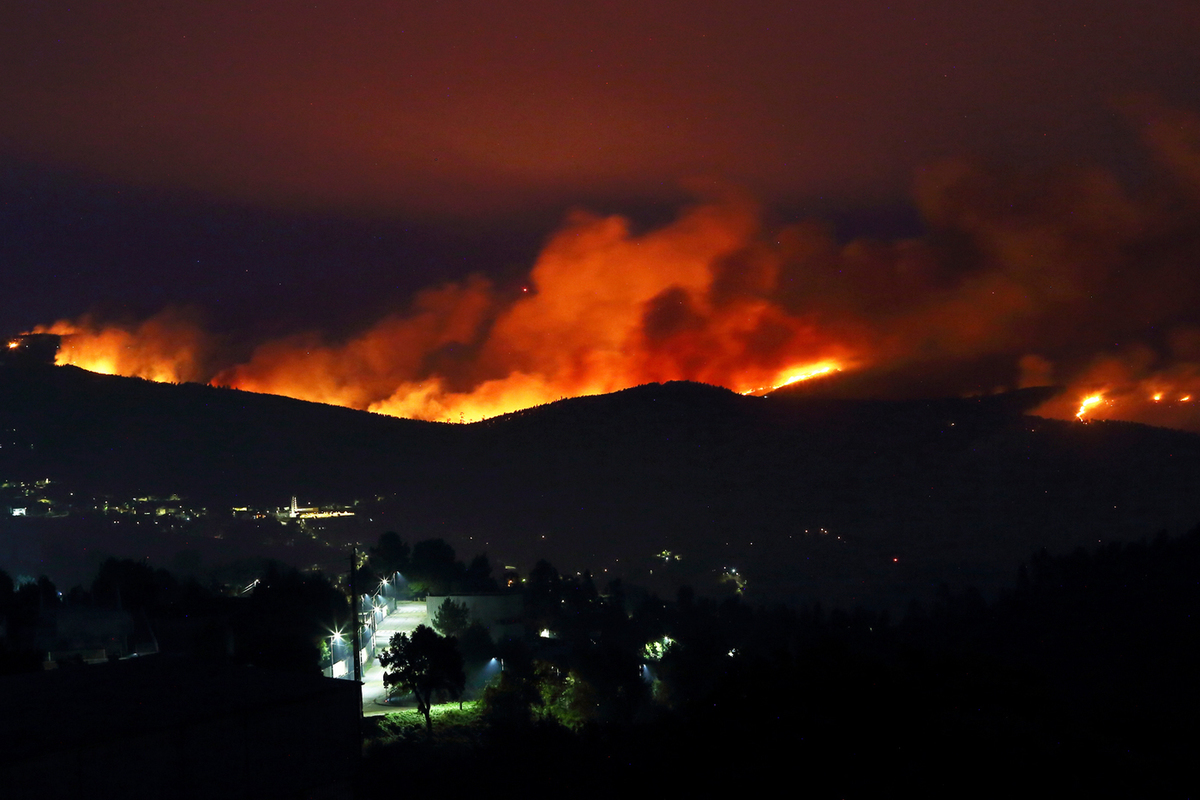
(721, 297)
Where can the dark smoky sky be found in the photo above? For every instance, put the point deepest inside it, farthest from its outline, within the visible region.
(282, 165)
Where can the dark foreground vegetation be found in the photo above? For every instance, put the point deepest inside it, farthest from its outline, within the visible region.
(1078, 682)
(131, 608)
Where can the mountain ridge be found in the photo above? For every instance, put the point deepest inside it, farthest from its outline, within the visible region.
(848, 501)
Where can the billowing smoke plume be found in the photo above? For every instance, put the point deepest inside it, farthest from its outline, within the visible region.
(169, 347)
(603, 309)
(1022, 279)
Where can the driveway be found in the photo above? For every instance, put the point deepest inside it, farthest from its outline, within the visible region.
(405, 619)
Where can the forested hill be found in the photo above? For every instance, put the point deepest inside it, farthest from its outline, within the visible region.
(126, 436)
(851, 501)
(858, 501)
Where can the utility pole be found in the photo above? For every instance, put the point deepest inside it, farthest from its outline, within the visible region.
(356, 640)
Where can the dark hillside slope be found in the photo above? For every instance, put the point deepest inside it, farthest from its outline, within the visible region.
(908, 493)
(129, 436)
(839, 500)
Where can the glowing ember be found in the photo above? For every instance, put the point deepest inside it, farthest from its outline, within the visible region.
(1087, 403)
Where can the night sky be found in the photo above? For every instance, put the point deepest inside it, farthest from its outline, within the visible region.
(428, 207)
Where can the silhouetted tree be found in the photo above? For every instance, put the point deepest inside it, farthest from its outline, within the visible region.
(434, 569)
(288, 615)
(423, 664)
(390, 555)
(8, 592)
(37, 597)
(543, 594)
(452, 618)
(479, 575)
(509, 701)
(476, 645)
(131, 585)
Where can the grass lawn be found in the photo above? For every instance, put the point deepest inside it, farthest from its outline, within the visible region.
(448, 722)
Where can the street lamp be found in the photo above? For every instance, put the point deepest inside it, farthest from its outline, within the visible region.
(334, 638)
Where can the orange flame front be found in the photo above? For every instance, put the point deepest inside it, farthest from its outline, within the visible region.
(1036, 273)
(167, 348)
(798, 375)
(604, 310)
(1088, 402)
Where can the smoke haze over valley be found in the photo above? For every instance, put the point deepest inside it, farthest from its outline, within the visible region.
(934, 200)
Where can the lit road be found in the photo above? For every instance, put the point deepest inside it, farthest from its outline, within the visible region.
(405, 619)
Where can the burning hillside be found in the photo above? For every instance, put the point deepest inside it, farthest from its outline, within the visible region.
(1064, 277)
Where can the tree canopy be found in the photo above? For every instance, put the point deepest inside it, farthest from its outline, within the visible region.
(422, 664)
(452, 618)
(429, 567)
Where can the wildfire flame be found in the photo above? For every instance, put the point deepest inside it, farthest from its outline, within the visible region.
(798, 374)
(1031, 271)
(1088, 402)
(165, 348)
(603, 310)
(808, 374)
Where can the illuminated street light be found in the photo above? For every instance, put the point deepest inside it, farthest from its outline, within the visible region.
(335, 638)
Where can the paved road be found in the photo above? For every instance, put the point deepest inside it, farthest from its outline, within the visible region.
(405, 619)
